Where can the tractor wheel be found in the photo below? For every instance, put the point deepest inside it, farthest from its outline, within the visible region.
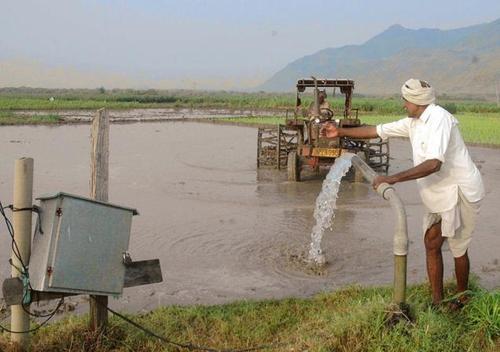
(293, 167)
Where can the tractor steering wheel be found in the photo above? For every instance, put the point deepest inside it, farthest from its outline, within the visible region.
(326, 112)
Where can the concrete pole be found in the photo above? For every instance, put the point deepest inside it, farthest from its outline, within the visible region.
(23, 198)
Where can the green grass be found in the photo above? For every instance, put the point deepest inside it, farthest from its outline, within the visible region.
(229, 101)
(72, 104)
(38, 99)
(352, 319)
(480, 128)
(479, 120)
(9, 118)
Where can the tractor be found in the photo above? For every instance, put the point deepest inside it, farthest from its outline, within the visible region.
(298, 142)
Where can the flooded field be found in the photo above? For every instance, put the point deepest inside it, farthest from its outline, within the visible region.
(224, 230)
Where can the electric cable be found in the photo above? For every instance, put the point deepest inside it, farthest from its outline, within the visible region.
(2, 328)
(188, 346)
(17, 253)
(24, 268)
(10, 229)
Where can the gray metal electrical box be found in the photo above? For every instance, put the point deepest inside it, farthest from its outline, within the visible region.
(79, 244)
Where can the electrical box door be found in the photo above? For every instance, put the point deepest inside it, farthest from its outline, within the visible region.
(79, 245)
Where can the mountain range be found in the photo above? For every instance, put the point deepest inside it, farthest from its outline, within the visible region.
(463, 61)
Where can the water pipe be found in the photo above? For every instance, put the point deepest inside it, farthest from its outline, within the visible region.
(400, 243)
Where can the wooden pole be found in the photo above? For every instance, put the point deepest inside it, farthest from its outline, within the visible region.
(99, 164)
(23, 198)
(99, 158)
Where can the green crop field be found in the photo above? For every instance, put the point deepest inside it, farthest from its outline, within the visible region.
(57, 99)
(479, 120)
(480, 128)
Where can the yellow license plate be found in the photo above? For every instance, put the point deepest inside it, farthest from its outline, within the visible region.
(326, 152)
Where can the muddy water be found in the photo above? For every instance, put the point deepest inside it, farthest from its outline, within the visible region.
(225, 231)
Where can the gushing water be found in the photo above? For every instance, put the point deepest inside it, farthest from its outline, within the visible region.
(326, 203)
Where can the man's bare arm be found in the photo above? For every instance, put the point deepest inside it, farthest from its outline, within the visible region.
(421, 170)
(331, 131)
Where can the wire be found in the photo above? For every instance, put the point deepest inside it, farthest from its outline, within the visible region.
(189, 346)
(24, 268)
(17, 253)
(15, 248)
(35, 315)
(2, 328)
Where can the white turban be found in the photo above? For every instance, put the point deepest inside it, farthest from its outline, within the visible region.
(418, 92)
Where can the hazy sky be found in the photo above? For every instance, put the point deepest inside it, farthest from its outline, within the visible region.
(195, 43)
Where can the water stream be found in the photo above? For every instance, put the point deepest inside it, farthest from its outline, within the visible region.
(326, 203)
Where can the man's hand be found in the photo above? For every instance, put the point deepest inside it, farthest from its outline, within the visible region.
(421, 170)
(382, 179)
(329, 130)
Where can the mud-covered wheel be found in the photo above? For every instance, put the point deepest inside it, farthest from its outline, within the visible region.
(293, 167)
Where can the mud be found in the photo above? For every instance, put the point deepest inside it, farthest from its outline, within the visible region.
(148, 115)
(225, 231)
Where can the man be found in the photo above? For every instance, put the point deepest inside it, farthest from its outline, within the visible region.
(449, 183)
(325, 110)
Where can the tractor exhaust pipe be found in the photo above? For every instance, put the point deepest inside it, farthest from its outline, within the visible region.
(400, 243)
(315, 110)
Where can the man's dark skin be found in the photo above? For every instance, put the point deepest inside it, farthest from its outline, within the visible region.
(433, 239)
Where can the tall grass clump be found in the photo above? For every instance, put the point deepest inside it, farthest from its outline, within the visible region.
(483, 316)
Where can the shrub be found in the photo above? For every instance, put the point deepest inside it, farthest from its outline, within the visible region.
(450, 107)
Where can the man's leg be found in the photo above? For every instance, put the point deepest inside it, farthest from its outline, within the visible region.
(433, 242)
(462, 272)
(460, 242)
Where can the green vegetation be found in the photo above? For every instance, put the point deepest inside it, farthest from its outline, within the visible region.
(482, 129)
(352, 319)
(477, 128)
(9, 118)
(40, 99)
(479, 120)
(68, 99)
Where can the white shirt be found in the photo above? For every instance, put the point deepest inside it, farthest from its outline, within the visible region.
(435, 135)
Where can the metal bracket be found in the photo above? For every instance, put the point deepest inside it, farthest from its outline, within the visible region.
(138, 273)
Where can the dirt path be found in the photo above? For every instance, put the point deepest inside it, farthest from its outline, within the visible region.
(225, 231)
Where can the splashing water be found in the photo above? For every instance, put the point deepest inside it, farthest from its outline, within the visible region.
(326, 203)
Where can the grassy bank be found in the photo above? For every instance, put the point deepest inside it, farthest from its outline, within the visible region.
(9, 118)
(352, 319)
(480, 128)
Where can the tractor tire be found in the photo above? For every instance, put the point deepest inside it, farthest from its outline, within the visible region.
(293, 167)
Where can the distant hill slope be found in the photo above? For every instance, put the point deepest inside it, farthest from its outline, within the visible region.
(464, 61)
